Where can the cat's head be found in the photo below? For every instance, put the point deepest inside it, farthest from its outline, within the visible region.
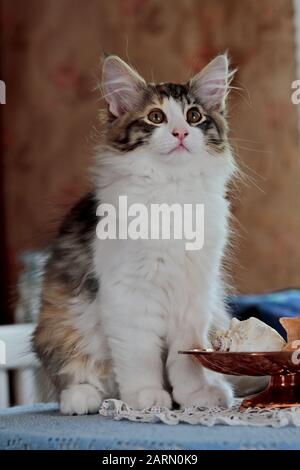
(169, 120)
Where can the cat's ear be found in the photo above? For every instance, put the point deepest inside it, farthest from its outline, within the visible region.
(121, 85)
(211, 85)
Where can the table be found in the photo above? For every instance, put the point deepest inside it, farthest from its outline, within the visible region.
(41, 426)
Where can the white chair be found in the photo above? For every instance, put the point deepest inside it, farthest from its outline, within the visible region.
(16, 355)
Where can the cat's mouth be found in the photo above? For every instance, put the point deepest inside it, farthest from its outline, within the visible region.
(179, 148)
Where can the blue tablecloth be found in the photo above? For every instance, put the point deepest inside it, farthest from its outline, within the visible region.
(42, 427)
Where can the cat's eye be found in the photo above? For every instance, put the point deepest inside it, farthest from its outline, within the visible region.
(156, 116)
(193, 116)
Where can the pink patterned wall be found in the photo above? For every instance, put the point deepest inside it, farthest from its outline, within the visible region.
(51, 64)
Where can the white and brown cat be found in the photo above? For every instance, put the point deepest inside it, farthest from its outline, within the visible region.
(115, 312)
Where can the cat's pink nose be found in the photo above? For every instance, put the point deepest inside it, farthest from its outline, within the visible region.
(181, 134)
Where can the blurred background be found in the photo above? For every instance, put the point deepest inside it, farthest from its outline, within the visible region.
(50, 62)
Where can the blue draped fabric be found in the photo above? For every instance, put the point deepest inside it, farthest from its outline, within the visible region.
(267, 307)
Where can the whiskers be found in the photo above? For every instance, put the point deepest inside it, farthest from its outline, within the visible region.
(244, 173)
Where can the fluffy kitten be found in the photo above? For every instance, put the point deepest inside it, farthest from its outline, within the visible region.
(115, 312)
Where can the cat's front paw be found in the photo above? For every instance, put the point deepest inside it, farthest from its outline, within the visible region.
(208, 395)
(148, 397)
(80, 399)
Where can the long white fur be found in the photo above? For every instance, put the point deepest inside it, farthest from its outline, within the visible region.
(155, 297)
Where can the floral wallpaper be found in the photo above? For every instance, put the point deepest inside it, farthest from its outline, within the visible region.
(50, 61)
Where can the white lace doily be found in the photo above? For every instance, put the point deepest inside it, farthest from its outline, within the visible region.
(118, 410)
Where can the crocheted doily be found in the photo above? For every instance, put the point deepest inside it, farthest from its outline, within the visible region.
(118, 410)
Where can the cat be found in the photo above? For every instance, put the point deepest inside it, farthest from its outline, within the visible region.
(115, 313)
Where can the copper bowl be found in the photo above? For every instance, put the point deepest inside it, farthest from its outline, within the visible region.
(283, 390)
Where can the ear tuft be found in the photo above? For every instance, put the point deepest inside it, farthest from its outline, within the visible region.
(121, 85)
(211, 85)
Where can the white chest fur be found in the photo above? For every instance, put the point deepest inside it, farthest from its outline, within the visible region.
(162, 273)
